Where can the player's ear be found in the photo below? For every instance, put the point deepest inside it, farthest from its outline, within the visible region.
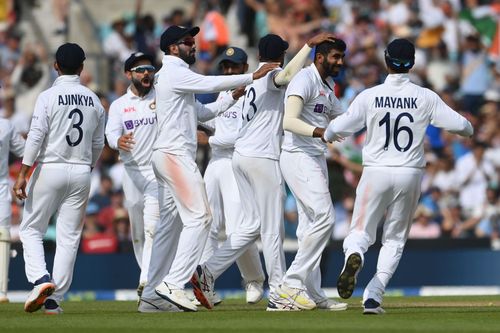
(56, 66)
(245, 68)
(128, 74)
(320, 58)
(174, 49)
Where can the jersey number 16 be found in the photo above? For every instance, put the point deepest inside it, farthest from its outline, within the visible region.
(397, 130)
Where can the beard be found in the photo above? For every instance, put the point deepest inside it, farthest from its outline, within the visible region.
(188, 57)
(331, 69)
(142, 89)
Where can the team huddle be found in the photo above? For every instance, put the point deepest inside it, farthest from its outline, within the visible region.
(268, 127)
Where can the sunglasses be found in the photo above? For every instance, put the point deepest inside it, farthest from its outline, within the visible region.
(187, 42)
(143, 68)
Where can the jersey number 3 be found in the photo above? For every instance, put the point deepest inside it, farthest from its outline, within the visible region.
(397, 130)
(250, 113)
(75, 113)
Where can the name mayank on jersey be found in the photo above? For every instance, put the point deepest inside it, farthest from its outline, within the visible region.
(396, 102)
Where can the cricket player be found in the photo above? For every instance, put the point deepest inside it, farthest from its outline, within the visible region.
(10, 141)
(131, 129)
(256, 166)
(179, 179)
(65, 138)
(396, 114)
(222, 191)
(310, 104)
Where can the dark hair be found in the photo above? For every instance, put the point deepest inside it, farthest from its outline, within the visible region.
(68, 71)
(325, 47)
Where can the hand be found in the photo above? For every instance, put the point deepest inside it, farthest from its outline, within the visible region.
(318, 133)
(202, 138)
(320, 38)
(20, 188)
(266, 68)
(126, 142)
(238, 92)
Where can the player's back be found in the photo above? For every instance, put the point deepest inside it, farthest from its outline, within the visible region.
(73, 114)
(262, 114)
(397, 115)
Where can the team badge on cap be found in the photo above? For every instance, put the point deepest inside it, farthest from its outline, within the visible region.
(230, 51)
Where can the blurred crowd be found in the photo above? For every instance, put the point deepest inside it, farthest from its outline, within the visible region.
(458, 56)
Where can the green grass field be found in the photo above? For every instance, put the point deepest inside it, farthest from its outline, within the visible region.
(404, 314)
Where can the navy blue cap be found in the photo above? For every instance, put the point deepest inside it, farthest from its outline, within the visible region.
(134, 58)
(400, 54)
(175, 33)
(272, 47)
(70, 56)
(235, 55)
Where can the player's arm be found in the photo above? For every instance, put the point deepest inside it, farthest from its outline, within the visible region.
(186, 81)
(348, 123)
(117, 139)
(446, 118)
(17, 142)
(36, 135)
(209, 111)
(292, 122)
(295, 65)
(98, 138)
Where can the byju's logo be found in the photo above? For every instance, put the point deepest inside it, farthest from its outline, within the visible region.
(318, 108)
(129, 124)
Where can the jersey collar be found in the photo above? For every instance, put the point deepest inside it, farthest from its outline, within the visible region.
(397, 79)
(75, 79)
(330, 83)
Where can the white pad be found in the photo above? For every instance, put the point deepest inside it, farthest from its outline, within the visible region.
(4, 259)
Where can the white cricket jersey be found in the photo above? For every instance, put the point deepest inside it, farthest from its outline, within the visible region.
(227, 126)
(67, 125)
(262, 128)
(10, 141)
(133, 114)
(396, 115)
(177, 109)
(320, 106)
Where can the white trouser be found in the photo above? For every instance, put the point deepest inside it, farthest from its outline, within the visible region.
(141, 199)
(180, 175)
(5, 202)
(165, 241)
(5, 212)
(225, 204)
(307, 178)
(62, 188)
(389, 191)
(262, 198)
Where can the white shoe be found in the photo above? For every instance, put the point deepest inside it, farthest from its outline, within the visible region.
(371, 306)
(203, 286)
(255, 292)
(175, 296)
(157, 305)
(38, 295)
(52, 307)
(331, 305)
(297, 296)
(277, 303)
